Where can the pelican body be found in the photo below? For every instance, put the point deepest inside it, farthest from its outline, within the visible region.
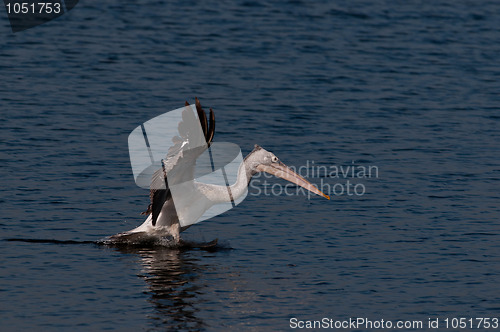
(164, 215)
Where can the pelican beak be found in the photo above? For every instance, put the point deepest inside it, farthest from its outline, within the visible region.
(282, 171)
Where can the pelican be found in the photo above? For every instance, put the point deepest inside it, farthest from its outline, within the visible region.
(179, 164)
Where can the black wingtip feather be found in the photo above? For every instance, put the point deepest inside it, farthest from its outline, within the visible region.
(211, 131)
(202, 116)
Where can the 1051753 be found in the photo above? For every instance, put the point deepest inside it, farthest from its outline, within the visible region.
(472, 323)
(15, 7)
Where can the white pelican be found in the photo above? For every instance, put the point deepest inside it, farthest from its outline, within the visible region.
(179, 166)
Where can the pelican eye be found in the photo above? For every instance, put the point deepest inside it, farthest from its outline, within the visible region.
(274, 159)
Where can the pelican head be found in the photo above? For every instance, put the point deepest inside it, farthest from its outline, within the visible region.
(261, 160)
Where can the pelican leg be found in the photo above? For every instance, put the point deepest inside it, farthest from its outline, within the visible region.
(175, 230)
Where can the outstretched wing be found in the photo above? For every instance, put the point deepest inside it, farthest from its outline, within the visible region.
(179, 165)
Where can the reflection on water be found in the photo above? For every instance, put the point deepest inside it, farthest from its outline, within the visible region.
(171, 277)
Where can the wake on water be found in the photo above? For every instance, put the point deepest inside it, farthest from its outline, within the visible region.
(136, 240)
(142, 239)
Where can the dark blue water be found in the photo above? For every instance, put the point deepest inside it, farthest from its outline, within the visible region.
(409, 87)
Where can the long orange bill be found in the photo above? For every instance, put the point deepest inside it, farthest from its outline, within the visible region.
(282, 171)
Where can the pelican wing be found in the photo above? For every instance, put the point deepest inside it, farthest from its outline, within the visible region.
(179, 164)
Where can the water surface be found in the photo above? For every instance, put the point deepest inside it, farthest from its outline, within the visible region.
(409, 87)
